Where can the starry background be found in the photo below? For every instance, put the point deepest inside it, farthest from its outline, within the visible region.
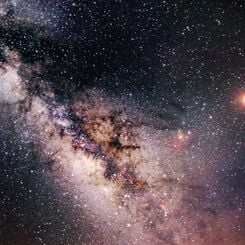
(186, 56)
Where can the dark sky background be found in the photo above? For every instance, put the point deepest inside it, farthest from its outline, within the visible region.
(188, 56)
(172, 46)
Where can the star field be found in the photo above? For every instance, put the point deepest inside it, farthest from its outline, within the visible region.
(122, 122)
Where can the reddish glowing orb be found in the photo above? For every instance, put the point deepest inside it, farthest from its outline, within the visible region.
(240, 100)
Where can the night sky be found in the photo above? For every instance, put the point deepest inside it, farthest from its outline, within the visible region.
(122, 122)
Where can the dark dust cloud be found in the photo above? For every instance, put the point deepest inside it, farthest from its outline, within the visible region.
(122, 122)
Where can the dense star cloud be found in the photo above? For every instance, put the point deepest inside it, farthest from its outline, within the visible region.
(122, 122)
